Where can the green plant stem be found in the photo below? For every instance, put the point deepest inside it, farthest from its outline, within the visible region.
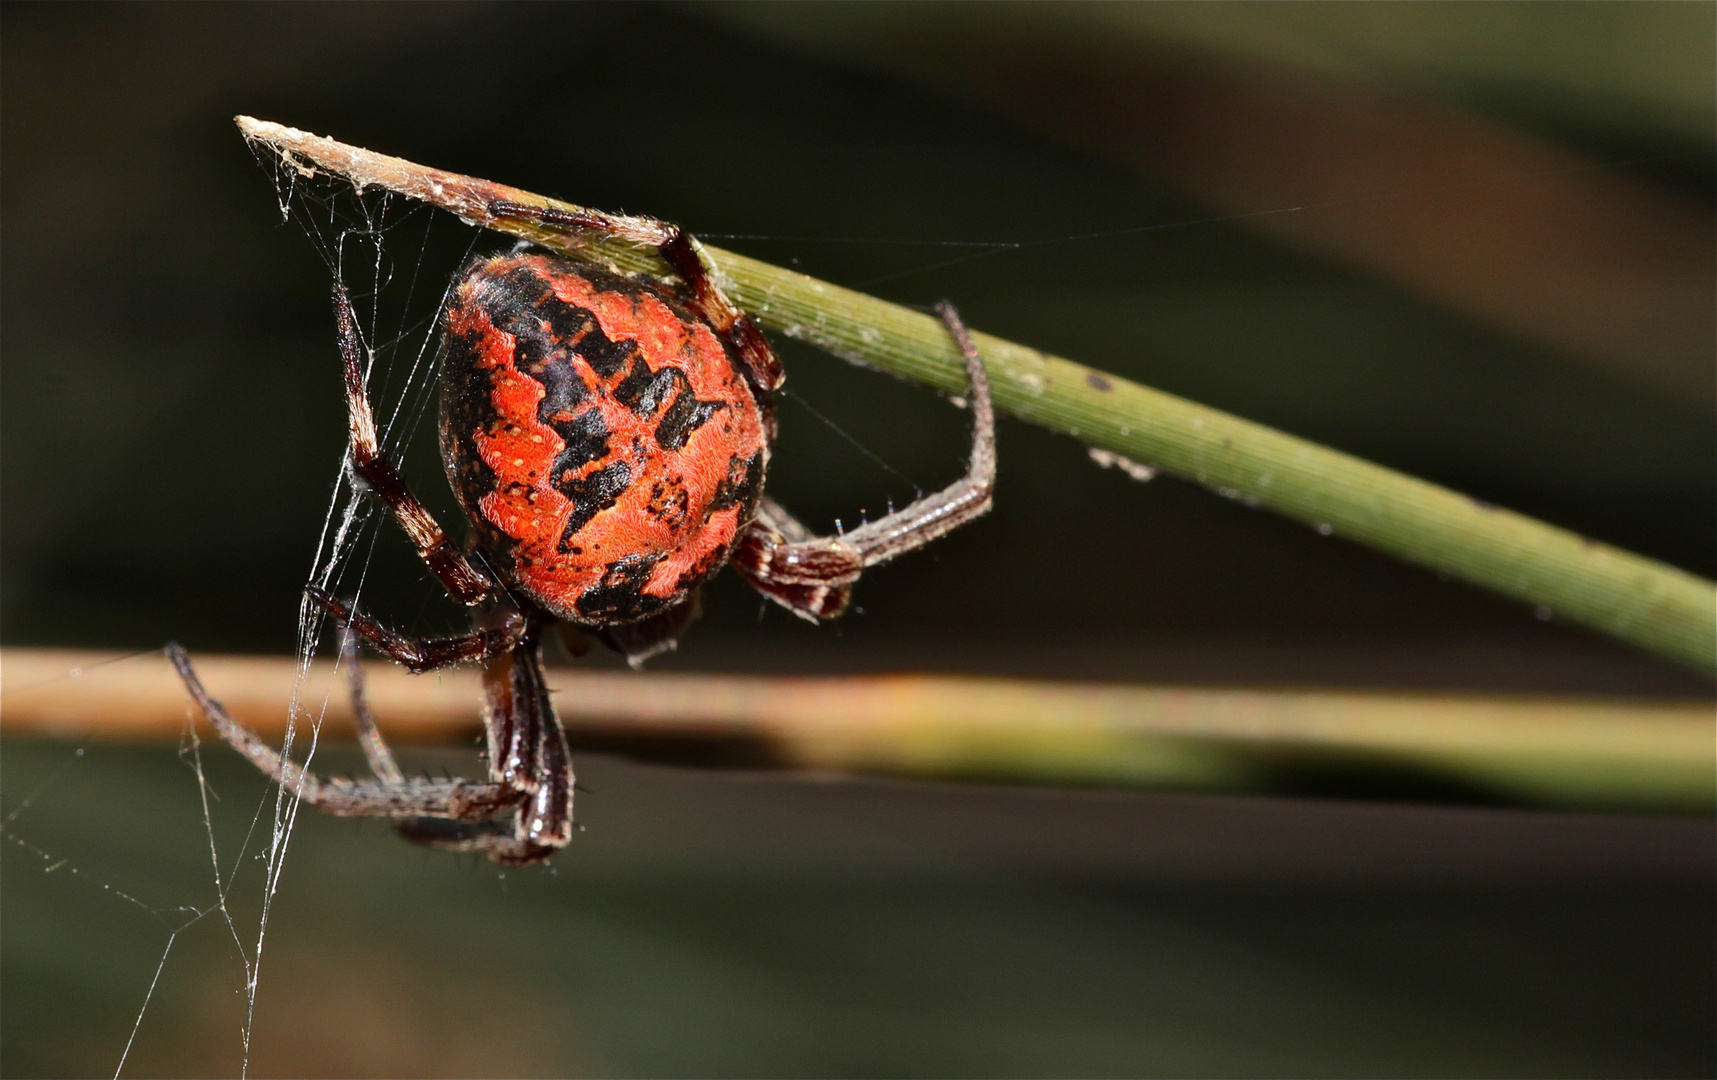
(1572, 577)
(1566, 576)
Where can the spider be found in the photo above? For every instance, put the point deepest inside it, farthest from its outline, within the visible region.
(607, 439)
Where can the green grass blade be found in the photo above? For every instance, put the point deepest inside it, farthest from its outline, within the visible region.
(1639, 600)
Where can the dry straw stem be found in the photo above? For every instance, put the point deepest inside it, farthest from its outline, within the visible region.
(1594, 755)
(1639, 600)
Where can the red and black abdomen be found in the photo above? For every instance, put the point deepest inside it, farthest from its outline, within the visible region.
(601, 438)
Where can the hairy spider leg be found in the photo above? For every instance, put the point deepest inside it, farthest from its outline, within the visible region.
(462, 579)
(527, 754)
(529, 760)
(380, 758)
(812, 576)
(453, 800)
(375, 747)
(420, 655)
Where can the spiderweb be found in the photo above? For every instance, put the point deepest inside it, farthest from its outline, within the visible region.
(356, 235)
(349, 230)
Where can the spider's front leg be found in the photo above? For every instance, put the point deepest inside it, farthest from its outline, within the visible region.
(530, 769)
(812, 576)
(389, 796)
(463, 581)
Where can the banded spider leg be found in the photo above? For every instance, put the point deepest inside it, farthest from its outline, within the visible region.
(813, 576)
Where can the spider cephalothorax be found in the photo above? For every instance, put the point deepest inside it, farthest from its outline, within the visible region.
(607, 438)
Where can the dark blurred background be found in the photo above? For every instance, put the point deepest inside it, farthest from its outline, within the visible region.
(1473, 242)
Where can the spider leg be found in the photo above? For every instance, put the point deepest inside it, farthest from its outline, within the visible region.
(462, 580)
(376, 750)
(514, 688)
(436, 831)
(420, 655)
(456, 814)
(442, 832)
(527, 753)
(808, 575)
(681, 251)
(812, 576)
(452, 800)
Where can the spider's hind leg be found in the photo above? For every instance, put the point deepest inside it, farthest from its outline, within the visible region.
(375, 747)
(530, 770)
(528, 755)
(813, 576)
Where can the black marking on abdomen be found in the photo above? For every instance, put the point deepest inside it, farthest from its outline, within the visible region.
(590, 496)
(619, 596)
(521, 302)
(670, 502)
(586, 438)
(605, 356)
(740, 486)
(563, 389)
(683, 417)
(643, 391)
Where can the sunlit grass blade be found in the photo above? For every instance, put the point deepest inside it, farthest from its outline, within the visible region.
(1581, 754)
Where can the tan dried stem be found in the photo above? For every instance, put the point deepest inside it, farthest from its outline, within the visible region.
(1592, 754)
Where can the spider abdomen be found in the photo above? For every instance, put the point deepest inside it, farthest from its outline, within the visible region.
(600, 437)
